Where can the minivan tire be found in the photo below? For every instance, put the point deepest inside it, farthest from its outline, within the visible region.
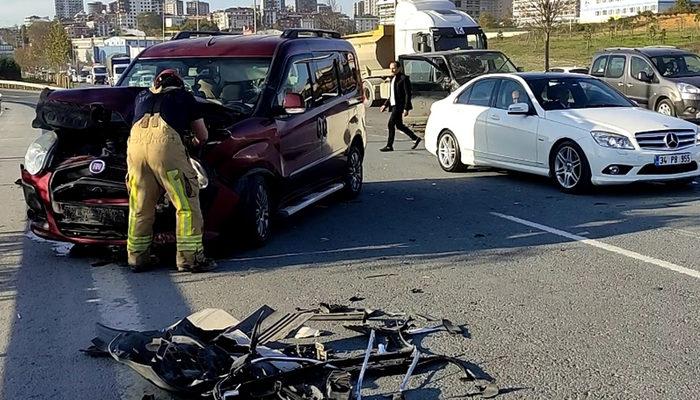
(353, 173)
(256, 212)
(665, 107)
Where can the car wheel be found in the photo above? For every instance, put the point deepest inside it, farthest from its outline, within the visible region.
(665, 107)
(570, 168)
(368, 94)
(257, 212)
(448, 154)
(353, 173)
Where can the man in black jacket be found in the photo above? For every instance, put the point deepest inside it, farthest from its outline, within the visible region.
(399, 104)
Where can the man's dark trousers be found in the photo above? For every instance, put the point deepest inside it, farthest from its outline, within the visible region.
(396, 121)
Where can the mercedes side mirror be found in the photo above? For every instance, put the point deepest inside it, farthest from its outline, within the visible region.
(645, 77)
(520, 69)
(519, 109)
(293, 103)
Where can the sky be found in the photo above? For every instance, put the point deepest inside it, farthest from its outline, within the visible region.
(12, 12)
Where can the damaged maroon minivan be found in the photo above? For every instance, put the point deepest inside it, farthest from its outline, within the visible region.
(286, 129)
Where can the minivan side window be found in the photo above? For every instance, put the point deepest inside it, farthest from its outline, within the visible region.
(616, 67)
(326, 87)
(349, 74)
(297, 80)
(481, 93)
(598, 68)
(638, 65)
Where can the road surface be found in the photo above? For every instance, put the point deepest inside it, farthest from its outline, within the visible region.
(564, 296)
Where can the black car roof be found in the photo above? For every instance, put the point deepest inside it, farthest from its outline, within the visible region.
(451, 52)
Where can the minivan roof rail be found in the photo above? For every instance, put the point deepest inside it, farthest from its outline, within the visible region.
(294, 33)
(189, 34)
(619, 48)
(660, 46)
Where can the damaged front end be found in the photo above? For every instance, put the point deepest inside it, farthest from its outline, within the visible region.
(74, 174)
(211, 354)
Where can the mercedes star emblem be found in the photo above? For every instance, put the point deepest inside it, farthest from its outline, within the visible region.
(671, 140)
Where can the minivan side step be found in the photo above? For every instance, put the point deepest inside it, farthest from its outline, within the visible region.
(310, 199)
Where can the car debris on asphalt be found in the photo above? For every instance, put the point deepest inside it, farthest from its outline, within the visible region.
(211, 354)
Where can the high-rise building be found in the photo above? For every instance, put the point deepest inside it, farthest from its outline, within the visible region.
(174, 7)
(128, 10)
(471, 7)
(600, 11)
(358, 9)
(366, 23)
(113, 7)
(524, 12)
(96, 8)
(66, 9)
(305, 6)
(271, 10)
(199, 8)
(386, 9)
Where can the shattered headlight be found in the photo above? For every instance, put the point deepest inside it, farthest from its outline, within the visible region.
(612, 140)
(39, 152)
(202, 177)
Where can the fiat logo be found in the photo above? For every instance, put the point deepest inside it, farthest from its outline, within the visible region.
(97, 167)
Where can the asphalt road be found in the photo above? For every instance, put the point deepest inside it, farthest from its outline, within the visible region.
(592, 296)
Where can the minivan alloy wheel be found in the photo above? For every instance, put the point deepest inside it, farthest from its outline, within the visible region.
(355, 171)
(567, 167)
(447, 151)
(262, 212)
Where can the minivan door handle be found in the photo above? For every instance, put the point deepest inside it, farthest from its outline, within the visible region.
(620, 84)
(630, 85)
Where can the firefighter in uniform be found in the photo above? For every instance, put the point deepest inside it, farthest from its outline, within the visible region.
(157, 161)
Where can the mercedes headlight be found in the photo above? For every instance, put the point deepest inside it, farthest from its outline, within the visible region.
(688, 90)
(697, 135)
(612, 140)
(39, 152)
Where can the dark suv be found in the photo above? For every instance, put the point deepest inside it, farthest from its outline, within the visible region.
(287, 129)
(664, 79)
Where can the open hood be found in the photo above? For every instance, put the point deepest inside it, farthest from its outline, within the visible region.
(79, 109)
(109, 108)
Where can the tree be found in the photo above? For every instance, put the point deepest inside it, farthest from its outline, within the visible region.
(545, 16)
(9, 69)
(59, 48)
(487, 20)
(150, 23)
(204, 25)
(331, 19)
(683, 7)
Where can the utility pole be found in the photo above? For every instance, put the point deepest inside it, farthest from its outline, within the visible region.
(163, 15)
(196, 5)
(255, 17)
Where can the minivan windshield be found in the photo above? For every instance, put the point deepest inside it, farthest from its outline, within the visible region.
(676, 66)
(575, 93)
(471, 64)
(231, 82)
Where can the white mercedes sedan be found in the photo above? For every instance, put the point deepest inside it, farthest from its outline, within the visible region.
(573, 128)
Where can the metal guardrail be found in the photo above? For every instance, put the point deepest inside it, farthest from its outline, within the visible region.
(25, 86)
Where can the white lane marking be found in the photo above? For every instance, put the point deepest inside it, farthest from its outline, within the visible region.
(604, 246)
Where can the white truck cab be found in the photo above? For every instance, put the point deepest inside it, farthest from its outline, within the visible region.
(425, 26)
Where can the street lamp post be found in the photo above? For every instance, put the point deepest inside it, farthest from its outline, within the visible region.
(196, 6)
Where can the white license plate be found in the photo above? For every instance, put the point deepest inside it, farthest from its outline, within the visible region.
(672, 159)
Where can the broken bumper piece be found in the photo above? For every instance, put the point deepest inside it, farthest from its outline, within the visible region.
(212, 354)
